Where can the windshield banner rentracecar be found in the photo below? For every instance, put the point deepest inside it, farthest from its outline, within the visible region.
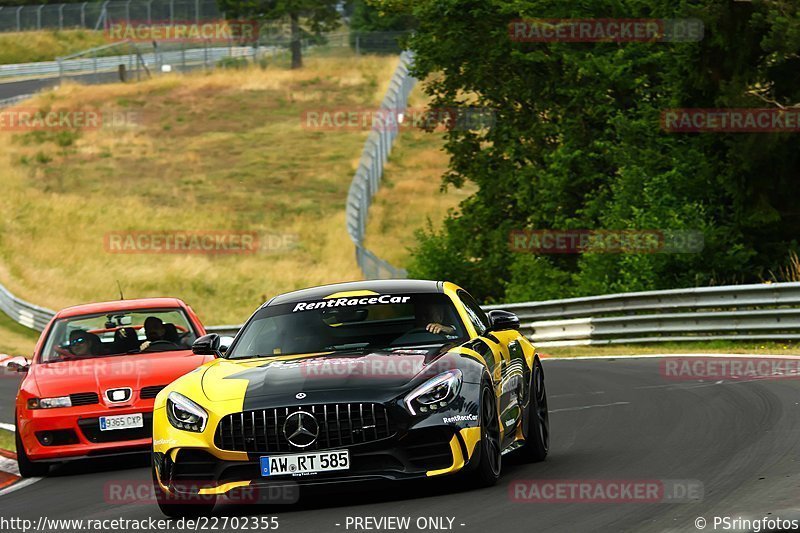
(349, 302)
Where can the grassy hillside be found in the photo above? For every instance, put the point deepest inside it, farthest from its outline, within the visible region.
(223, 151)
(412, 179)
(46, 45)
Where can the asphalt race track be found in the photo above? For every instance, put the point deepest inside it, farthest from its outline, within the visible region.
(610, 420)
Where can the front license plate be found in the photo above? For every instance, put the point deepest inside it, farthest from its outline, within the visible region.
(108, 423)
(305, 463)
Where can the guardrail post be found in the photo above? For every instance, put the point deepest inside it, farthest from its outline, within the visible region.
(83, 14)
(61, 16)
(19, 18)
(39, 17)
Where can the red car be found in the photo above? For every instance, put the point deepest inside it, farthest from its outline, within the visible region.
(96, 370)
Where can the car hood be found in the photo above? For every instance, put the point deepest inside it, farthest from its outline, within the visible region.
(102, 373)
(286, 376)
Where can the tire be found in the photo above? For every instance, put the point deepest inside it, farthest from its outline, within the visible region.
(188, 506)
(537, 423)
(490, 459)
(28, 468)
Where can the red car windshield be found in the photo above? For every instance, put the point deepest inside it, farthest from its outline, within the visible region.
(118, 333)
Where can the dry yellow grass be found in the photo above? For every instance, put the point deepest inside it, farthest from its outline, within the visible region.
(16, 339)
(31, 46)
(223, 151)
(411, 192)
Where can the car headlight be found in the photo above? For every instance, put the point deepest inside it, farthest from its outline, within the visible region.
(435, 393)
(184, 414)
(49, 403)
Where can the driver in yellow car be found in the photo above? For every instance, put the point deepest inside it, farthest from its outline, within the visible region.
(435, 321)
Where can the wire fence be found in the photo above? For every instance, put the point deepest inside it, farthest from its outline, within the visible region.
(95, 15)
(368, 176)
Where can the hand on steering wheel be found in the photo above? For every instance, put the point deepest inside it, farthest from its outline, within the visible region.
(439, 329)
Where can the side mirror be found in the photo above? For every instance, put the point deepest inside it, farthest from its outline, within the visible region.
(18, 364)
(207, 345)
(225, 343)
(503, 320)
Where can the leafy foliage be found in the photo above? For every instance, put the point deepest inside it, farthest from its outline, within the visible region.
(317, 15)
(578, 144)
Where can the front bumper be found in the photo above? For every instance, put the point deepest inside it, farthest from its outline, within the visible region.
(417, 453)
(74, 432)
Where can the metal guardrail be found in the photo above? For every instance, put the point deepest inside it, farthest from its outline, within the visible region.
(368, 176)
(35, 317)
(90, 65)
(736, 312)
(22, 312)
(5, 102)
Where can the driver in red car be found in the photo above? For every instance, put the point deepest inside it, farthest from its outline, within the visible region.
(83, 344)
(154, 330)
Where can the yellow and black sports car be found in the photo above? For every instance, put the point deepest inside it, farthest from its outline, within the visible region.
(356, 381)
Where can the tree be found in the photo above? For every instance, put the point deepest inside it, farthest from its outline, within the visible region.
(577, 144)
(318, 15)
(379, 30)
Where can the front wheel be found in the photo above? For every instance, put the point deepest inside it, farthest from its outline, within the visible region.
(487, 471)
(537, 425)
(182, 505)
(28, 468)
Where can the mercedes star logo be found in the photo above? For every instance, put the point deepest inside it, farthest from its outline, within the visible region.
(301, 429)
(300, 395)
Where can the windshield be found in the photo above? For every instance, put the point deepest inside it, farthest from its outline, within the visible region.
(118, 333)
(350, 323)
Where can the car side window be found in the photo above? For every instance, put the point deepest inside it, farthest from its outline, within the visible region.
(476, 314)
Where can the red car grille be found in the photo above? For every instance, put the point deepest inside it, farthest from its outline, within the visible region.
(84, 398)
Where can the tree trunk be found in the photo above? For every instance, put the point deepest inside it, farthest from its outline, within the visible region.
(297, 50)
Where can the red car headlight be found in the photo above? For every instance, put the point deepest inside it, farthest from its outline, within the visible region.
(49, 403)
